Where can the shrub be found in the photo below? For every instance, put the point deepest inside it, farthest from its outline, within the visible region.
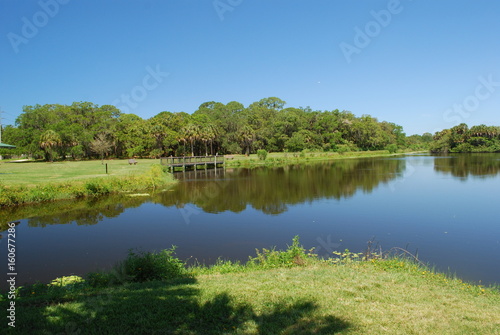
(156, 175)
(343, 148)
(392, 148)
(463, 147)
(262, 154)
(67, 281)
(101, 279)
(270, 258)
(96, 187)
(145, 266)
(43, 193)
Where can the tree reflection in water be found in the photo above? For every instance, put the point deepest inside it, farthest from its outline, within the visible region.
(466, 165)
(271, 189)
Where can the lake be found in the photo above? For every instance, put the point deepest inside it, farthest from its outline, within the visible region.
(443, 207)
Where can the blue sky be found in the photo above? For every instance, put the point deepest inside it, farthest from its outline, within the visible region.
(425, 65)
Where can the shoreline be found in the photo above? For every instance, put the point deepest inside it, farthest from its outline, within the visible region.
(279, 159)
(290, 291)
(155, 178)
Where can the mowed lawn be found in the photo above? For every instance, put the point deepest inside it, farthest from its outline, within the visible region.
(37, 173)
(356, 298)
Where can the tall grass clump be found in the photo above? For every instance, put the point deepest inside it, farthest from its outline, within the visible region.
(95, 187)
(140, 266)
(294, 255)
(262, 154)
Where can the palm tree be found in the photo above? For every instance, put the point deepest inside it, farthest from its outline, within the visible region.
(208, 134)
(181, 138)
(479, 131)
(158, 133)
(460, 133)
(192, 133)
(48, 140)
(247, 135)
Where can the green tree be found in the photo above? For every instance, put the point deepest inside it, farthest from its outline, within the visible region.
(246, 135)
(208, 134)
(49, 140)
(192, 132)
(441, 141)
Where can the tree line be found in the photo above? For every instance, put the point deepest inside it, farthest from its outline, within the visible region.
(463, 139)
(84, 130)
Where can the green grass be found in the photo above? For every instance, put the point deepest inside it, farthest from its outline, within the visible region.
(39, 173)
(284, 158)
(276, 292)
(26, 183)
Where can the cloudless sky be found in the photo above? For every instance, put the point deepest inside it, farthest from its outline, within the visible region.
(429, 65)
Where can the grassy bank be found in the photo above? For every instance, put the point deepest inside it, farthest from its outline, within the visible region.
(30, 182)
(35, 173)
(284, 158)
(276, 292)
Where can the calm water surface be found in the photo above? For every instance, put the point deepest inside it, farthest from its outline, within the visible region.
(444, 207)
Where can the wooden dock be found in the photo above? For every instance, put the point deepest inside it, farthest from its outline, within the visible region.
(192, 161)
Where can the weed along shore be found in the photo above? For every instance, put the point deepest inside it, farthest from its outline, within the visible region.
(263, 158)
(33, 182)
(290, 291)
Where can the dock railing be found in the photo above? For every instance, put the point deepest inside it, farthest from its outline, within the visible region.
(192, 161)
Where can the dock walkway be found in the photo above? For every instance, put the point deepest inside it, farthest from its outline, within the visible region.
(192, 161)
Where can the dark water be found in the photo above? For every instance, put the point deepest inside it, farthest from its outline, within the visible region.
(445, 207)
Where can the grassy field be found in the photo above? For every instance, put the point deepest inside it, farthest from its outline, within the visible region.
(391, 296)
(37, 182)
(38, 173)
